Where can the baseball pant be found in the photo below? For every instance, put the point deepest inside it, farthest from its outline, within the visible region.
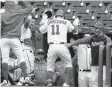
(55, 51)
(93, 76)
(83, 79)
(29, 57)
(15, 45)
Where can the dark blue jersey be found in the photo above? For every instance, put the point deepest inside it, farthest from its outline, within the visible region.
(95, 42)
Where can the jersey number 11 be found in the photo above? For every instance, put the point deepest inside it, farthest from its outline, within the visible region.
(55, 29)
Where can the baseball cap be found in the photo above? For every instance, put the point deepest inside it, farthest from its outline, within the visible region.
(59, 13)
(86, 35)
(39, 51)
(99, 25)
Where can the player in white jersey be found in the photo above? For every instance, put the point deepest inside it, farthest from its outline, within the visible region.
(57, 29)
(84, 64)
(27, 47)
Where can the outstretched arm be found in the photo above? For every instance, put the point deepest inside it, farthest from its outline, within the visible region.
(80, 41)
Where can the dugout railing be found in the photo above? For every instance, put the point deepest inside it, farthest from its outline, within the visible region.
(108, 65)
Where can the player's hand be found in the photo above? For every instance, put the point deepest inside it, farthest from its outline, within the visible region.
(34, 9)
(18, 66)
(68, 45)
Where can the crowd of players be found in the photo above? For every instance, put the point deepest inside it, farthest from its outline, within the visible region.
(22, 64)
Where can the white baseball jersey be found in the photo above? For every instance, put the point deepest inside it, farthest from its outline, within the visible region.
(25, 33)
(57, 29)
(29, 57)
(84, 56)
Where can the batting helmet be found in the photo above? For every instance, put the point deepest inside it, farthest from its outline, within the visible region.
(99, 25)
(59, 13)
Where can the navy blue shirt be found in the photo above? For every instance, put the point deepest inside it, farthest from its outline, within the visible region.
(95, 41)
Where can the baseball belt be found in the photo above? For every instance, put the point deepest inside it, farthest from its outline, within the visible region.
(57, 43)
(85, 70)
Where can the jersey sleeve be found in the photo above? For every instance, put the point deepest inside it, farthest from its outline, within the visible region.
(83, 41)
(11, 63)
(76, 22)
(108, 39)
(70, 26)
(43, 28)
(26, 7)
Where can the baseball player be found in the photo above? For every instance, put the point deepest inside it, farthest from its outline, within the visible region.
(14, 67)
(74, 63)
(40, 70)
(57, 29)
(84, 64)
(27, 48)
(99, 38)
(12, 20)
(59, 69)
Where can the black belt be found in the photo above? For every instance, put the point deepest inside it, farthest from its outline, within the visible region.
(57, 43)
(30, 51)
(22, 42)
(85, 70)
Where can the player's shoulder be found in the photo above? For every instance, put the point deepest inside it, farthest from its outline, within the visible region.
(66, 20)
(107, 37)
(51, 20)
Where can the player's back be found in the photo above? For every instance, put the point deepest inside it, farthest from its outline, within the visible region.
(57, 30)
(40, 73)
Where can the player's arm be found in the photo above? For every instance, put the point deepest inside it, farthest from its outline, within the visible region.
(39, 28)
(72, 28)
(43, 28)
(108, 39)
(76, 24)
(25, 4)
(27, 21)
(12, 68)
(34, 27)
(27, 8)
(80, 41)
(2, 24)
(55, 75)
(109, 42)
(29, 18)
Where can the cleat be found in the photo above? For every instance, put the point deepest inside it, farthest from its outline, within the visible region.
(65, 85)
(49, 85)
(28, 81)
(4, 83)
(21, 81)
